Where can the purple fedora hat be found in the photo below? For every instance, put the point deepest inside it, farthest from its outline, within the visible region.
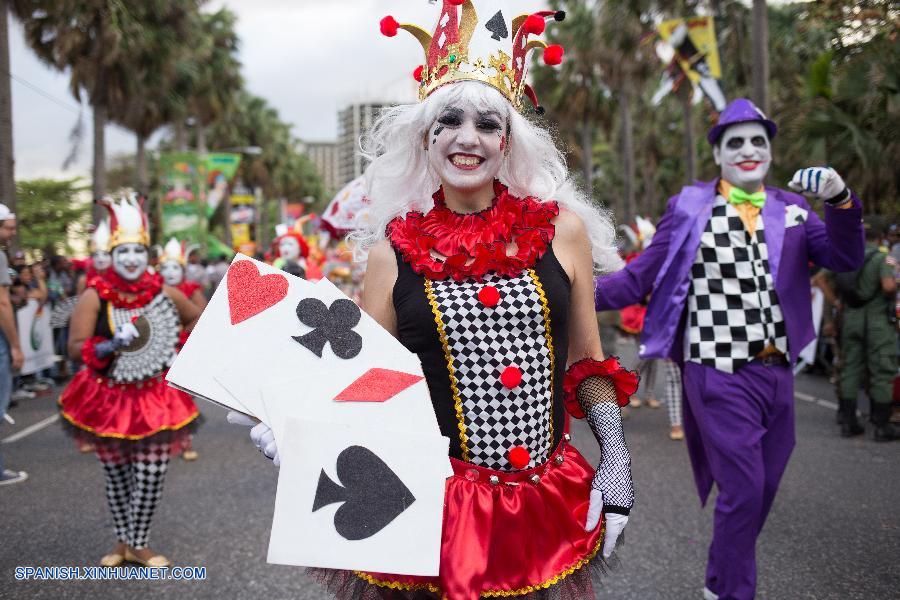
(740, 110)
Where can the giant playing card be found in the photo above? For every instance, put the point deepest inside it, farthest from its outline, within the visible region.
(263, 326)
(358, 498)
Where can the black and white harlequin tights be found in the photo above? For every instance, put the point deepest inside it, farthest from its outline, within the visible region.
(133, 489)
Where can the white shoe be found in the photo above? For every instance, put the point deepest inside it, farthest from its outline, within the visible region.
(709, 595)
(9, 477)
(22, 394)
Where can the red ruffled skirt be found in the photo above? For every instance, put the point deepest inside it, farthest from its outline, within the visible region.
(513, 538)
(124, 414)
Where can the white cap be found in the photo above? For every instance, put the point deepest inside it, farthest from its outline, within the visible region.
(5, 213)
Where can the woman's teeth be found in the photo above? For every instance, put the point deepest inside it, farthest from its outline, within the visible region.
(465, 161)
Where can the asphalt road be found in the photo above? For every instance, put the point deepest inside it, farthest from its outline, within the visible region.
(834, 531)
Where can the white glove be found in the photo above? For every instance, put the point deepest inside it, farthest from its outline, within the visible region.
(261, 435)
(615, 523)
(820, 182)
(125, 334)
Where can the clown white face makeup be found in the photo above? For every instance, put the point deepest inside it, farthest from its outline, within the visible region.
(465, 146)
(172, 272)
(101, 259)
(129, 261)
(289, 249)
(744, 155)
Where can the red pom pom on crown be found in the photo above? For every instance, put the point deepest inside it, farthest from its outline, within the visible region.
(553, 54)
(389, 26)
(534, 25)
(457, 2)
(417, 74)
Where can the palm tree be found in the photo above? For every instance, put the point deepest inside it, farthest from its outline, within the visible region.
(87, 37)
(761, 55)
(7, 159)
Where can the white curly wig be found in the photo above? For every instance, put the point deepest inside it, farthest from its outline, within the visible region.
(399, 178)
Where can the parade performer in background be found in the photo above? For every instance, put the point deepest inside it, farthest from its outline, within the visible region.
(171, 267)
(291, 251)
(480, 260)
(100, 259)
(125, 328)
(728, 272)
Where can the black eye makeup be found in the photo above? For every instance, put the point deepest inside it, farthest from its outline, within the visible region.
(451, 117)
(734, 143)
(487, 124)
(759, 141)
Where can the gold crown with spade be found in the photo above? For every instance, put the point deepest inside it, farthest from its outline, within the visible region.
(495, 54)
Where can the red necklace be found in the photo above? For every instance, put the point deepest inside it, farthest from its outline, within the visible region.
(475, 244)
(111, 287)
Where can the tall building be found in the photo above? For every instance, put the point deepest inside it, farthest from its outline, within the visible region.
(326, 157)
(353, 122)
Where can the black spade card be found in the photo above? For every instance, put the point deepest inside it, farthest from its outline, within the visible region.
(365, 497)
(370, 493)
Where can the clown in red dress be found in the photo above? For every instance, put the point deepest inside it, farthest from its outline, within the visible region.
(125, 328)
(480, 259)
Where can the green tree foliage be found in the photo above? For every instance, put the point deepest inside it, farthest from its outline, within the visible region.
(47, 211)
(833, 89)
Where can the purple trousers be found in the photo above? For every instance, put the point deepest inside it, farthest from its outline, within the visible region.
(740, 432)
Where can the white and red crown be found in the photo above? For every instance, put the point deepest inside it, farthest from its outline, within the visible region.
(127, 221)
(100, 237)
(495, 54)
(175, 251)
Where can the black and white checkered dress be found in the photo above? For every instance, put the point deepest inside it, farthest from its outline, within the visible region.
(733, 308)
(464, 347)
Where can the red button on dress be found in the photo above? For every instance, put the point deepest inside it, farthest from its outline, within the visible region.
(489, 296)
(511, 377)
(518, 457)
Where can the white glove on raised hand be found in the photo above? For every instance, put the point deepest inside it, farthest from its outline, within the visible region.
(261, 434)
(615, 523)
(820, 182)
(125, 334)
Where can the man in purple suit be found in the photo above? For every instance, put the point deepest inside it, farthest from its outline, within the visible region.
(728, 279)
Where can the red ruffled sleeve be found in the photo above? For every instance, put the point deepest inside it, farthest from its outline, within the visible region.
(89, 354)
(625, 382)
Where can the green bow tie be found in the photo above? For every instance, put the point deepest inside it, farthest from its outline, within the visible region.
(739, 196)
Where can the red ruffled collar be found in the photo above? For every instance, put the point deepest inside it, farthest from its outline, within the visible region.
(475, 244)
(111, 287)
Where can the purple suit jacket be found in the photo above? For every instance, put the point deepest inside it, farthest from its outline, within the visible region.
(664, 267)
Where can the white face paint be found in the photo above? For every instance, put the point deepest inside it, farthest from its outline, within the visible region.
(101, 259)
(129, 261)
(289, 249)
(744, 155)
(465, 146)
(172, 272)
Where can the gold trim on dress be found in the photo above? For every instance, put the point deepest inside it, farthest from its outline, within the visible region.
(457, 400)
(397, 585)
(549, 336)
(121, 436)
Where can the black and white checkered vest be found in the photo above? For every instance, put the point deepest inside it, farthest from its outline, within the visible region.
(733, 309)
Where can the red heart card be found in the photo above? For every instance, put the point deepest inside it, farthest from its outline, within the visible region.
(250, 293)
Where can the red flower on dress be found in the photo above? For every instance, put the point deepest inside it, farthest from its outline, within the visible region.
(626, 382)
(89, 354)
(111, 287)
(475, 244)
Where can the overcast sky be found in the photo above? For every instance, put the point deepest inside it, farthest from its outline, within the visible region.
(308, 58)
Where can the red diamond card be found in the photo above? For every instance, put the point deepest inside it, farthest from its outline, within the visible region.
(377, 385)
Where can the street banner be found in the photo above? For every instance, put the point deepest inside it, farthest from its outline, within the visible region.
(696, 58)
(219, 169)
(182, 217)
(36, 337)
(243, 216)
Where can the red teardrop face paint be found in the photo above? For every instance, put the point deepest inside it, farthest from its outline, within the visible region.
(502, 143)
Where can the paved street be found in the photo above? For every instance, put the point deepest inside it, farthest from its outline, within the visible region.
(834, 531)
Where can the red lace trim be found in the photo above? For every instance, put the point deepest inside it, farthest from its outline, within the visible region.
(89, 354)
(188, 287)
(110, 287)
(626, 382)
(475, 244)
